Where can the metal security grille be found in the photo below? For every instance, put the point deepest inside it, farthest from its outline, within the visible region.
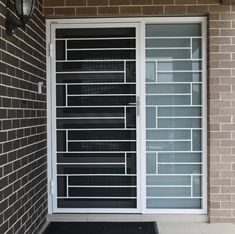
(96, 118)
(174, 116)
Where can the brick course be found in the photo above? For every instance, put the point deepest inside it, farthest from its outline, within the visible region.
(23, 177)
(221, 80)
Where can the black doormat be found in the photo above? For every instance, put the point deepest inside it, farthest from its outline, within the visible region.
(101, 228)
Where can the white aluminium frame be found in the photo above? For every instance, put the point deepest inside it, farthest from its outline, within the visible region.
(139, 23)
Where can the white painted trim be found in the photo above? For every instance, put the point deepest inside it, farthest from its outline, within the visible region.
(101, 22)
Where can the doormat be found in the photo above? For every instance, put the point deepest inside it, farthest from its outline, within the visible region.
(102, 228)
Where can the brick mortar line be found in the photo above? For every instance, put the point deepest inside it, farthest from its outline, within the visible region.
(23, 99)
(27, 90)
(19, 179)
(21, 79)
(20, 48)
(35, 143)
(25, 156)
(23, 60)
(24, 195)
(18, 68)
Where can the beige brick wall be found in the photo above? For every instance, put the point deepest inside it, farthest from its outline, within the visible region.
(221, 80)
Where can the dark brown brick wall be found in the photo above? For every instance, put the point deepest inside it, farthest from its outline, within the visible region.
(23, 178)
(221, 79)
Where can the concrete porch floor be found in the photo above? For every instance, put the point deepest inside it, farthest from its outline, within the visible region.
(195, 228)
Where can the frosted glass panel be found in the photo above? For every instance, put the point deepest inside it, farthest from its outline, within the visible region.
(168, 54)
(173, 30)
(167, 88)
(196, 48)
(168, 100)
(197, 138)
(179, 123)
(179, 65)
(151, 117)
(150, 71)
(179, 169)
(151, 163)
(168, 134)
(168, 192)
(168, 146)
(170, 42)
(179, 157)
(169, 180)
(174, 203)
(197, 188)
(196, 95)
(179, 111)
(179, 77)
(174, 114)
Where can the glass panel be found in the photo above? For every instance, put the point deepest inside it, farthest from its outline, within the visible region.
(168, 134)
(180, 169)
(197, 48)
(169, 180)
(173, 30)
(197, 140)
(174, 114)
(179, 123)
(167, 88)
(168, 146)
(196, 95)
(168, 192)
(174, 203)
(168, 54)
(150, 72)
(178, 65)
(168, 100)
(197, 186)
(151, 163)
(179, 77)
(179, 157)
(179, 111)
(170, 42)
(151, 117)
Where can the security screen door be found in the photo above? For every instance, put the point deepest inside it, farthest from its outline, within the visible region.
(129, 117)
(96, 156)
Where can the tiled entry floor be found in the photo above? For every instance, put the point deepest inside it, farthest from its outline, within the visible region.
(195, 228)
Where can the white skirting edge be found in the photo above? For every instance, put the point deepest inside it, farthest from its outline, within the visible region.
(43, 228)
(127, 218)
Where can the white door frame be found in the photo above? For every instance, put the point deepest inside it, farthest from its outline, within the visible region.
(139, 23)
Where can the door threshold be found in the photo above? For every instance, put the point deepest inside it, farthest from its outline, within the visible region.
(195, 218)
